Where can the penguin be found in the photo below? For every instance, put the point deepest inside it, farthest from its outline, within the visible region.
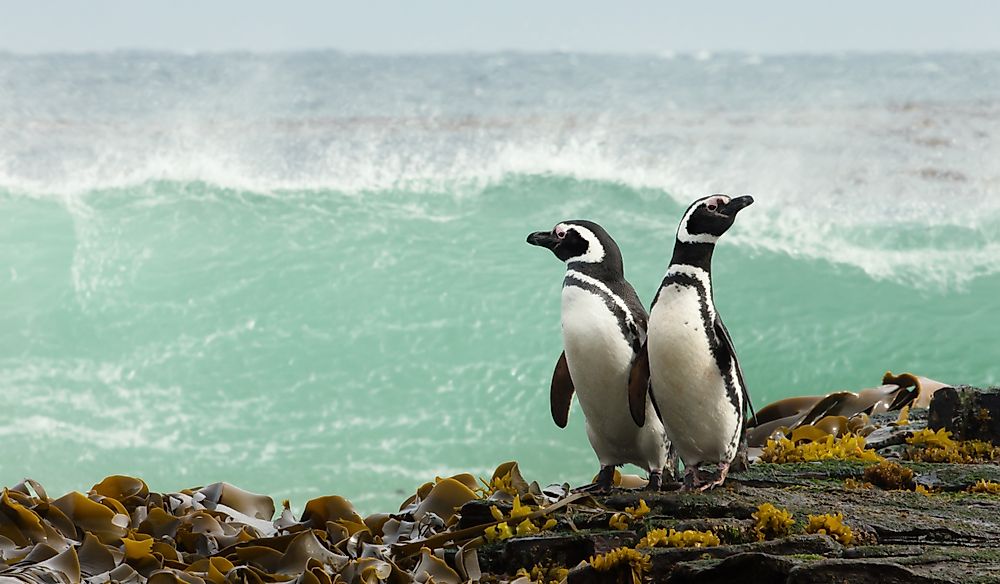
(603, 327)
(688, 362)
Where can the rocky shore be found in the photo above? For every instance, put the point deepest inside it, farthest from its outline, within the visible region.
(917, 499)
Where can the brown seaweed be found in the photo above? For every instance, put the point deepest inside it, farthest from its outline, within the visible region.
(841, 412)
(120, 531)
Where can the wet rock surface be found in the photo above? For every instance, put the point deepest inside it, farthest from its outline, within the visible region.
(968, 412)
(901, 536)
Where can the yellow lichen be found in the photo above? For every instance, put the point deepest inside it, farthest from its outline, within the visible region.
(770, 522)
(639, 511)
(853, 484)
(544, 574)
(496, 513)
(984, 486)
(929, 446)
(619, 521)
(904, 417)
(517, 512)
(923, 490)
(622, 520)
(847, 447)
(636, 560)
(679, 539)
(831, 525)
(503, 483)
(890, 475)
(498, 532)
(930, 439)
(526, 527)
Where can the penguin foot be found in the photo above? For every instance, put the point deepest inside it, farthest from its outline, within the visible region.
(605, 478)
(654, 481)
(723, 473)
(692, 480)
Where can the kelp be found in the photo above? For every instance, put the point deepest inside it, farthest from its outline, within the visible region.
(842, 412)
(120, 531)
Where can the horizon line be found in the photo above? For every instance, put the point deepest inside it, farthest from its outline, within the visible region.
(660, 54)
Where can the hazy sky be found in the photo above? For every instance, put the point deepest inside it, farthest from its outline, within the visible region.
(401, 26)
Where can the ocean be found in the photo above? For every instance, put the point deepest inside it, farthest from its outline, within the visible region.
(306, 273)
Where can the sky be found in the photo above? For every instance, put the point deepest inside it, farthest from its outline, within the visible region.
(443, 26)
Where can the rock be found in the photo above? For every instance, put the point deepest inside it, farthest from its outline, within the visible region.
(747, 567)
(968, 412)
(558, 550)
(664, 559)
(478, 512)
(855, 572)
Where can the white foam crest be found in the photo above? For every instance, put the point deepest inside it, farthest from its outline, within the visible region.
(825, 180)
(428, 162)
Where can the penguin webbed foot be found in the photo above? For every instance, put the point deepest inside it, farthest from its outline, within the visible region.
(655, 481)
(723, 473)
(691, 480)
(694, 480)
(605, 479)
(742, 460)
(604, 483)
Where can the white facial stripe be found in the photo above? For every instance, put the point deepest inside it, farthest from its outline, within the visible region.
(700, 275)
(603, 288)
(682, 233)
(595, 251)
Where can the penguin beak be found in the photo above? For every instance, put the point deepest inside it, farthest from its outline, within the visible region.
(736, 205)
(543, 239)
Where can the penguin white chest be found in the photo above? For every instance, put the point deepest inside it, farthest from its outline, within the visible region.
(685, 378)
(600, 358)
(597, 353)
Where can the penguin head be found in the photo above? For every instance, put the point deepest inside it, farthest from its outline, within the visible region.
(709, 217)
(579, 241)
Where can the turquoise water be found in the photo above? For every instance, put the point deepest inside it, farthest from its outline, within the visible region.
(306, 274)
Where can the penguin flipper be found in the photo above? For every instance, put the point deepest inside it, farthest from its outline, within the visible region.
(726, 344)
(638, 385)
(561, 393)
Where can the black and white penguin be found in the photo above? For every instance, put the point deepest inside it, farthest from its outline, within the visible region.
(603, 326)
(688, 362)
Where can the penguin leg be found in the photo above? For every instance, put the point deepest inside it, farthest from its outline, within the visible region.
(692, 480)
(654, 481)
(742, 461)
(606, 478)
(672, 469)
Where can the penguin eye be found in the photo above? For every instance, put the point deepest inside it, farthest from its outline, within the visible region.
(712, 207)
(561, 234)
